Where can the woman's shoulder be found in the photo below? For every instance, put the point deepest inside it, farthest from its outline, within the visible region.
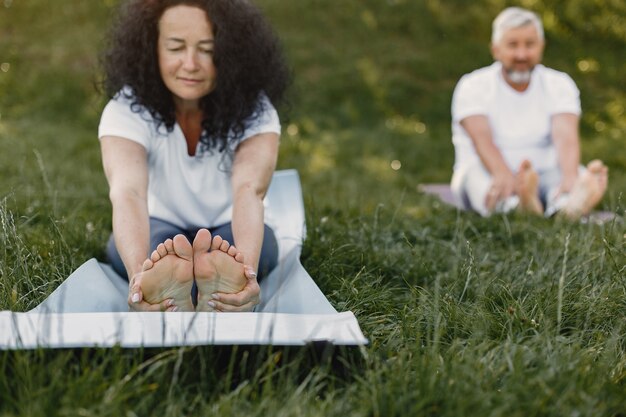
(124, 117)
(263, 119)
(126, 99)
(125, 104)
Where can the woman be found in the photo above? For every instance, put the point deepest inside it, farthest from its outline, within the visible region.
(189, 144)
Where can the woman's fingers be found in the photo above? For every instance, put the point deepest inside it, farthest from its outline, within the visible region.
(231, 308)
(137, 303)
(244, 300)
(165, 305)
(135, 298)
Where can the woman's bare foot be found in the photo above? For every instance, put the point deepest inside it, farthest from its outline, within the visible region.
(217, 266)
(168, 273)
(527, 189)
(588, 190)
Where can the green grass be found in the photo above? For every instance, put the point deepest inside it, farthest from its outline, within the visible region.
(508, 316)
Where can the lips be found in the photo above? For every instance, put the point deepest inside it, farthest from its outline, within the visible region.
(189, 81)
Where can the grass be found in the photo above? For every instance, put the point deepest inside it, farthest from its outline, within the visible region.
(506, 316)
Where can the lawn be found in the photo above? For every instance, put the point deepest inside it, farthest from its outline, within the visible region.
(507, 316)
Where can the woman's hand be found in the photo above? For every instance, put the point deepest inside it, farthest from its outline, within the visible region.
(244, 300)
(136, 301)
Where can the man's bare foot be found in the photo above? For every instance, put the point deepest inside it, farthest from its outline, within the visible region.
(168, 273)
(217, 267)
(527, 189)
(588, 190)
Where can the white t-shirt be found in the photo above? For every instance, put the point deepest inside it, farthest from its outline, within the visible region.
(520, 122)
(187, 191)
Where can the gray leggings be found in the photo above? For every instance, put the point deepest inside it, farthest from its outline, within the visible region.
(161, 230)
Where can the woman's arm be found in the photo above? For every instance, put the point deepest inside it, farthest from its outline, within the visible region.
(126, 170)
(253, 166)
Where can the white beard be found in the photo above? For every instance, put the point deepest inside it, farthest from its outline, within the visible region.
(519, 77)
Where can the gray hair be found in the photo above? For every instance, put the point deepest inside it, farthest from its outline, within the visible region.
(512, 18)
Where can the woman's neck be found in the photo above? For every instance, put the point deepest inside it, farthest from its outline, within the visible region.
(190, 122)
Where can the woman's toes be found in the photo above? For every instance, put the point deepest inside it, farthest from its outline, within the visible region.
(147, 264)
(181, 247)
(216, 242)
(232, 251)
(161, 249)
(155, 256)
(202, 242)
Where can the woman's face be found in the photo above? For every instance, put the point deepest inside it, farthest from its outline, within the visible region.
(185, 50)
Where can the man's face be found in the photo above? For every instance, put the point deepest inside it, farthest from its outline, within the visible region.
(519, 50)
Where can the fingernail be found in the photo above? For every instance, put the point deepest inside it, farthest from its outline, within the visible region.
(135, 298)
(251, 273)
(170, 303)
(215, 296)
(175, 309)
(211, 304)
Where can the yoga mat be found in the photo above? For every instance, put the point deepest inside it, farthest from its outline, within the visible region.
(89, 308)
(130, 330)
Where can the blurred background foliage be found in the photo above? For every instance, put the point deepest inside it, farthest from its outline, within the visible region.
(387, 67)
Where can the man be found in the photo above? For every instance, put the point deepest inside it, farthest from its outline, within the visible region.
(515, 131)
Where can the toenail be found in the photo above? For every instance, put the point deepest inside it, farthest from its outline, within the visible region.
(211, 304)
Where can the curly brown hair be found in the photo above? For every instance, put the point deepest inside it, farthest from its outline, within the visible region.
(247, 55)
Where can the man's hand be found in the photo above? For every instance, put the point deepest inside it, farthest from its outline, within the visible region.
(567, 184)
(502, 187)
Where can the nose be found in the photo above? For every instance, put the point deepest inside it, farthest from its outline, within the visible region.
(190, 60)
(521, 53)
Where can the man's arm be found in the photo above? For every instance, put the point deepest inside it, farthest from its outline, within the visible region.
(565, 138)
(503, 185)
